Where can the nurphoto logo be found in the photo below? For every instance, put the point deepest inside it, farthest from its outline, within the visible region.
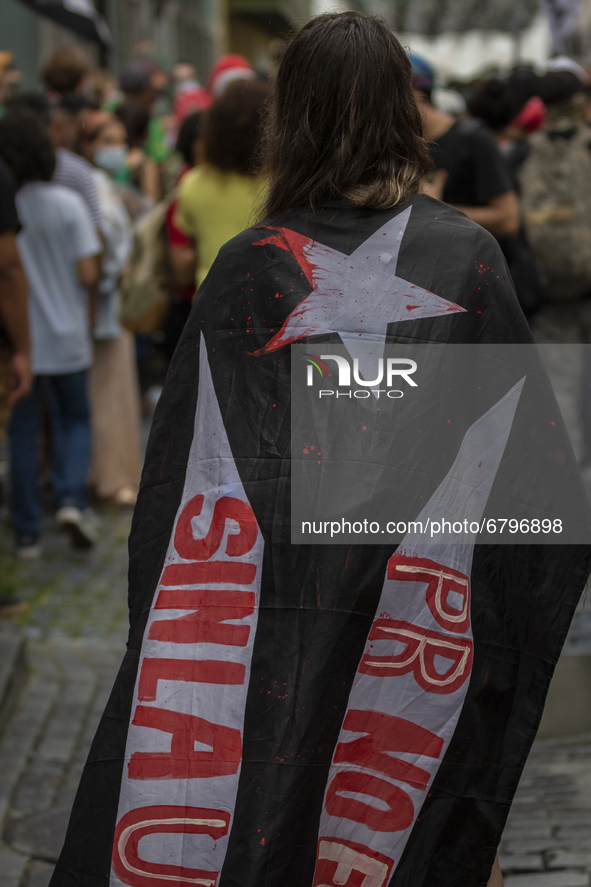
(401, 368)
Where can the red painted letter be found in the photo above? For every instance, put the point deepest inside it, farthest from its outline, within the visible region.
(346, 864)
(441, 583)
(421, 646)
(399, 815)
(204, 573)
(387, 733)
(143, 821)
(226, 508)
(207, 623)
(182, 761)
(198, 671)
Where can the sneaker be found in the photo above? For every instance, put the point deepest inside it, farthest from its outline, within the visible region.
(11, 607)
(126, 495)
(28, 548)
(80, 525)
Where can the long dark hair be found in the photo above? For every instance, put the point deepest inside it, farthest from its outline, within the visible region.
(26, 148)
(344, 122)
(232, 127)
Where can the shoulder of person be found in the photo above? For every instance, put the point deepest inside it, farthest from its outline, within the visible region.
(75, 160)
(475, 131)
(191, 179)
(68, 199)
(103, 182)
(438, 215)
(236, 257)
(240, 246)
(7, 180)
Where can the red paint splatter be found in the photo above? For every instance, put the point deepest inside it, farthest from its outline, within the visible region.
(291, 242)
(553, 423)
(305, 451)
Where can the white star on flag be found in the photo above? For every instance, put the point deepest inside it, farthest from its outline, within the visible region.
(356, 296)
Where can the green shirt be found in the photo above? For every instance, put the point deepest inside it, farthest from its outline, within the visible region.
(215, 206)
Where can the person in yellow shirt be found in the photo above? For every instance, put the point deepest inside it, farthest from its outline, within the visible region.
(221, 196)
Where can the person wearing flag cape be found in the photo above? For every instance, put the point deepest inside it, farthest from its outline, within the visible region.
(292, 714)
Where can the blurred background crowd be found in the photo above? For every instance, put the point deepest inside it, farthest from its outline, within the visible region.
(126, 163)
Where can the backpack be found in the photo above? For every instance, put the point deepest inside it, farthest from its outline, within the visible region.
(555, 185)
(145, 288)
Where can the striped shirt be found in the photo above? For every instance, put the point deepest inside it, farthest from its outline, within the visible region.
(77, 173)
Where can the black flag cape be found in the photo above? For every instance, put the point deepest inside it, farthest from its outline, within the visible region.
(304, 715)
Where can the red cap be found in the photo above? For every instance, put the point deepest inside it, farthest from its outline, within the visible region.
(227, 68)
(532, 116)
(190, 100)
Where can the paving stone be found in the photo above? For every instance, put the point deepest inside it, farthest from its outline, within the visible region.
(573, 831)
(12, 865)
(534, 845)
(549, 879)
(517, 830)
(563, 859)
(38, 874)
(521, 863)
(39, 835)
(20, 737)
(38, 786)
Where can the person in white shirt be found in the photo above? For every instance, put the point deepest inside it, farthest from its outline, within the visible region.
(60, 251)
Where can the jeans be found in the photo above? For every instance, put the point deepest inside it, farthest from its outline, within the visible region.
(70, 415)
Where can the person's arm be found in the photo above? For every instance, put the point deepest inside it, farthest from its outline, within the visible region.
(496, 207)
(86, 251)
(182, 252)
(183, 261)
(89, 274)
(500, 216)
(13, 311)
(496, 876)
(150, 179)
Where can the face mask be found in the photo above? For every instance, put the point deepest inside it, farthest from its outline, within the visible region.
(111, 158)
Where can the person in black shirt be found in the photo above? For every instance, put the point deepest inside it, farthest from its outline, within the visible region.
(15, 361)
(14, 325)
(471, 173)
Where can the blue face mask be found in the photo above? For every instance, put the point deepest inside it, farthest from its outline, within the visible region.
(111, 158)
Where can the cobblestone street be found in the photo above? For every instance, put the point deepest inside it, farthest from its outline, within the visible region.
(547, 841)
(76, 631)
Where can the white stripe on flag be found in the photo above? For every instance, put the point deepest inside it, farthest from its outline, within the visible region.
(183, 754)
(412, 679)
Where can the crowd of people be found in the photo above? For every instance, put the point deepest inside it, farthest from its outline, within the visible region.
(116, 195)
(111, 214)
